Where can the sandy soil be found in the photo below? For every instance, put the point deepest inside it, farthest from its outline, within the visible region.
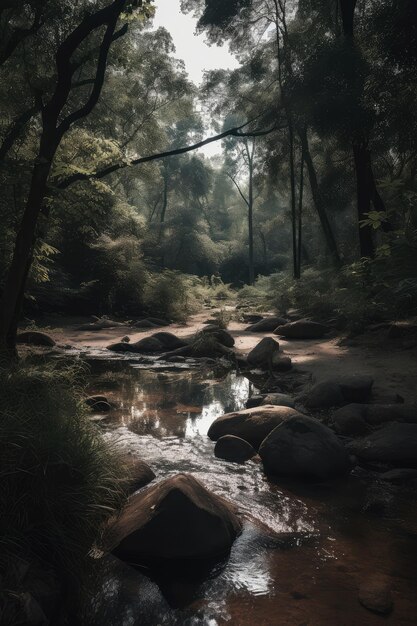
(392, 363)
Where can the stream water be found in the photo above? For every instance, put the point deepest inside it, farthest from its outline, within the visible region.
(304, 550)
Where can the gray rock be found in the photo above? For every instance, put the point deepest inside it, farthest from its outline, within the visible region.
(235, 449)
(323, 396)
(169, 341)
(146, 324)
(266, 325)
(261, 355)
(222, 336)
(177, 518)
(355, 388)
(253, 425)
(278, 399)
(302, 446)
(147, 344)
(35, 338)
(395, 443)
(255, 400)
(357, 419)
(139, 474)
(301, 329)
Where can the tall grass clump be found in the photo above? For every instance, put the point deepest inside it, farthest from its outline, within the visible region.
(59, 480)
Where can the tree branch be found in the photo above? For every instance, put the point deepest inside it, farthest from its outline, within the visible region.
(232, 132)
(15, 129)
(239, 190)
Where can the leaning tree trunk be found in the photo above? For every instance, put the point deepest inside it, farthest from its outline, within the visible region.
(317, 199)
(13, 291)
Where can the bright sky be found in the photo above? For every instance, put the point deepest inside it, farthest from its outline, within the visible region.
(192, 49)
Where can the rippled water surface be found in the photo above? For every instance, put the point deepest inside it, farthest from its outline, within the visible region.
(305, 548)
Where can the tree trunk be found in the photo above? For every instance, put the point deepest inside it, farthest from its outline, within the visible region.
(365, 185)
(13, 291)
(250, 225)
(317, 199)
(293, 200)
(300, 213)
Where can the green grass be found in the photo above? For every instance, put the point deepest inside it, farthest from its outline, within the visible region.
(59, 480)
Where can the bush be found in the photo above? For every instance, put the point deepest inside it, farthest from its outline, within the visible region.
(170, 295)
(59, 480)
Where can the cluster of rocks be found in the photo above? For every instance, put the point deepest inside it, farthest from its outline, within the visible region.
(297, 329)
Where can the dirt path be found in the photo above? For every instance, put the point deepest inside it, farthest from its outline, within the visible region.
(392, 364)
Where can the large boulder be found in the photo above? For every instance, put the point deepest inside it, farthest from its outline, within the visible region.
(261, 355)
(145, 324)
(266, 325)
(169, 341)
(147, 344)
(222, 336)
(235, 449)
(174, 520)
(358, 419)
(35, 338)
(338, 391)
(255, 400)
(253, 425)
(355, 387)
(301, 329)
(395, 443)
(302, 446)
(323, 396)
(121, 346)
(278, 399)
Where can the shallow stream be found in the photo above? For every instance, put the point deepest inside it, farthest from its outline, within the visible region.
(305, 549)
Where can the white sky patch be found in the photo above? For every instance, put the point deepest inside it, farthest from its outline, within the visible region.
(192, 49)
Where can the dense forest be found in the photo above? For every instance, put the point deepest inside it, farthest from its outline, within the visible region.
(117, 221)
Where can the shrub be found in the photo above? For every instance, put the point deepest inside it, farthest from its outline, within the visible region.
(59, 479)
(171, 295)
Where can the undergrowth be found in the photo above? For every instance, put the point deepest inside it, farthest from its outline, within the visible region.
(59, 480)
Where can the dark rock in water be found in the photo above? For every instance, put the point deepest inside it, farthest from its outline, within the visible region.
(395, 443)
(302, 446)
(261, 355)
(174, 520)
(220, 334)
(147, 344)
(266, 325)
(100, 404)
(146, 323)
(323, 396)
(169, 341)
(125, 339)
(357, 419)
(375, 595)
(35, 338)
(278, 399)
(301, 329)
(400, 475)
(355, 388)
(139, 472)
(235, 449)
(253, 425)
(281, 363)
(175, 359)
(254, 401)
(121, 347)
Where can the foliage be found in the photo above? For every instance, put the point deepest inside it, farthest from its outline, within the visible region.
(60, 481)
(169, 294)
